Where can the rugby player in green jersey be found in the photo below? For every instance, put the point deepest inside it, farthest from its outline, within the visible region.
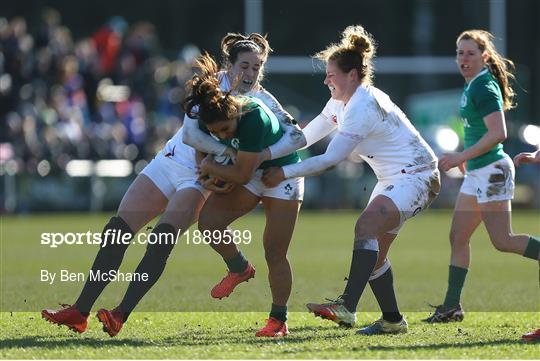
(249, 126)
(488, 187)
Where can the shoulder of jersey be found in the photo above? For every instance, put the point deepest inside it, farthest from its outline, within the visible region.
(364, 96)
(482, 81)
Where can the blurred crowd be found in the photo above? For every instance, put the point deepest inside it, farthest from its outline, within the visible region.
(109, 95)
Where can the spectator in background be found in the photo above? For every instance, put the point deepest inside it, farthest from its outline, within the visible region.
(108, 40)
(51, 101)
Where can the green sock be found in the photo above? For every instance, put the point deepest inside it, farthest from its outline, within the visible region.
(279, 312)
(237, 264)
(533, 248)
(456, 279)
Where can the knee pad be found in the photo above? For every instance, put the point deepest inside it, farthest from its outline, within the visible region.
(367, 244)
(381, 270)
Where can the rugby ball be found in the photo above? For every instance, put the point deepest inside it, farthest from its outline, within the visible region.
(222, 160)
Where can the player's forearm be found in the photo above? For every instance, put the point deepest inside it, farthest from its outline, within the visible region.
(292, 140)
(196, 138)
(317, 129)
(309, 167)
(339, 149)
(230, 173)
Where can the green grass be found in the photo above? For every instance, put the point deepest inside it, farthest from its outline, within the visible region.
(501, 289)
(205, 335)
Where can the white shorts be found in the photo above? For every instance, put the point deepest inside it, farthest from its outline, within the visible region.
(290, 189)
(493, 182)
(411, 193)
(170, 176)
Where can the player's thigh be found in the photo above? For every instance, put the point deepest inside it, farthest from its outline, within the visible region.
(183, 208)
(281, 216)
(466, 218)
(142, 202)
(497, 217)
(220, 210)
(380, 216)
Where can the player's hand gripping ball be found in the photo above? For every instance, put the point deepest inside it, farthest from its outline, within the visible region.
(215, 184)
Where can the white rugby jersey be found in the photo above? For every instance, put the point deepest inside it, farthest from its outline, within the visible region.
(182, 153)
(373, 128)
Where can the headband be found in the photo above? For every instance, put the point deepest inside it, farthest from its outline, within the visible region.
(247, 42)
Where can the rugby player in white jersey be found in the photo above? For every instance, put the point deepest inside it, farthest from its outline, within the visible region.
(169, 186)
(371, 126)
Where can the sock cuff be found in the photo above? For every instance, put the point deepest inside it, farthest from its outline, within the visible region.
(238, 263)
(533, 248)
(114, 234)
(279, 312)
(118, 222)
(238, 258)
(366, 244)
(164, 228)
(381, 270)
(458, 269)
(278, 308)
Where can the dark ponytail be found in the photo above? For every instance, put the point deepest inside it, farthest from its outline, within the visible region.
(206, 100)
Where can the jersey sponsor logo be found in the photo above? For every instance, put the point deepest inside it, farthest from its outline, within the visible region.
(463, 100)
(466, 123)
(389, 188)
(334, 119)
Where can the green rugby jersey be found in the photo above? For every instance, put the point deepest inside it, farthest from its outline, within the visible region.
(258, 128)
(481, 96)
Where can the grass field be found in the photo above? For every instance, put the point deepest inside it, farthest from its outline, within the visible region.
(178, 319)
(230, 336)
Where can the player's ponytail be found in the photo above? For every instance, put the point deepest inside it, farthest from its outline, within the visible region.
(206, 101)
(262, 42)
(501, 67)
(355, 51)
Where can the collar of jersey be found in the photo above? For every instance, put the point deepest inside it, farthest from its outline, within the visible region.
(482, 72)
(360, 87)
